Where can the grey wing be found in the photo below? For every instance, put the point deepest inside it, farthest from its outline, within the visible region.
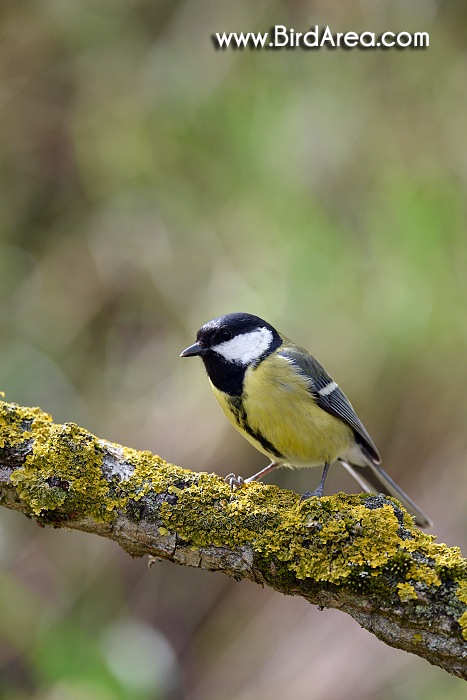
(330, 397)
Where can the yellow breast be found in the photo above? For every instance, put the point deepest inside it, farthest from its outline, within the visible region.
(278, 406)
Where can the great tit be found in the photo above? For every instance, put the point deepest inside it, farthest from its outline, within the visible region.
(284, 403)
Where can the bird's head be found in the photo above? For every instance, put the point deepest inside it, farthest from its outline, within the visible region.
(231, 343)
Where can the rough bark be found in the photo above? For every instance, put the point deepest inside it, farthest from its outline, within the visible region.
(360, 553)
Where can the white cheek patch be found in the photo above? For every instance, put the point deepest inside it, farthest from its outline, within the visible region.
(246, 347)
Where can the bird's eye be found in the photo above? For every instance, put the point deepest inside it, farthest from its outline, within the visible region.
(226, 334)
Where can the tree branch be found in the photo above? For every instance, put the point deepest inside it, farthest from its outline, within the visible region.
(359, 553)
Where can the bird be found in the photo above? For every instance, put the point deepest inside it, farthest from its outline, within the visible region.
(283, 401)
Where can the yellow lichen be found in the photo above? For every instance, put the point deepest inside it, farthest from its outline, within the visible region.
(70, 456)
(424, 574)
(406, 592)
(16, 423)
(462, 595)
(462, 591)
(329, 539)
(66, 464)
(463, 623)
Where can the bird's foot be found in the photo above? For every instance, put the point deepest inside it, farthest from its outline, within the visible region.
(235, 482)
(309, 494)
(318, 492)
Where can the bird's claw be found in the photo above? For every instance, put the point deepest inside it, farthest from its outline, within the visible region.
(308, 494)
(235, 482)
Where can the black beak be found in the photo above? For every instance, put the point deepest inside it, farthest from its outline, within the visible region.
(193, 350)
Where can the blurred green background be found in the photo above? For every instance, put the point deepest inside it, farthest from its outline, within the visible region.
(149, 183)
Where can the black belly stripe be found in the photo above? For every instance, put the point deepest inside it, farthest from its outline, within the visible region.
(236, 405)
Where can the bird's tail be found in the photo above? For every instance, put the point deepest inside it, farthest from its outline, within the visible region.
(373, 478)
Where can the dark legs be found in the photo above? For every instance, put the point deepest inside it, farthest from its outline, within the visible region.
(236, 482)
(320, 490)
